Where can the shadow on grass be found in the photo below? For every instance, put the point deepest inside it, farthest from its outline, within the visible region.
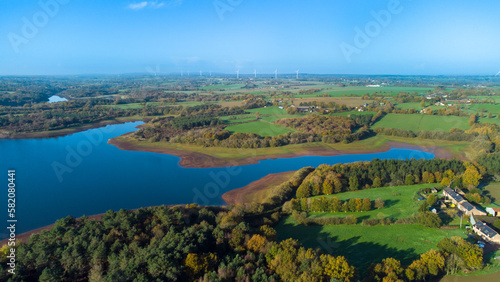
(390, 203)
(359, 254)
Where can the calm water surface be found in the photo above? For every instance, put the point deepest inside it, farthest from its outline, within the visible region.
(82, 174)
(55, 99)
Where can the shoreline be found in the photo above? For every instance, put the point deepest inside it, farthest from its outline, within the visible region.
(65, 131)
(25, 237)
(241, 195)
(198, 160)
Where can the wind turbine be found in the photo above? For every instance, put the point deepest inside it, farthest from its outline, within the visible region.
(498, 73)
(276, 74)
(297, 74)
(238, 74)
(188, 73)
(182, 73)
(210, 73)
(255, 73)
(201, 74)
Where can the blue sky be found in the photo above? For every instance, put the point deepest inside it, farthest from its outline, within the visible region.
(459, 37)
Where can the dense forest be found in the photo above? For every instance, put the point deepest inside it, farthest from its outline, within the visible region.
(179, 243)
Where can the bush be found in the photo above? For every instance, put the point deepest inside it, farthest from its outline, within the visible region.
(428, 219)
(379, 203)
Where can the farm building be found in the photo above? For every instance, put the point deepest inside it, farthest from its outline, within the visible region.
(452, 195)
(469, 209)
(493, 211)
(461, 203)
(304, 109)
(486, 232)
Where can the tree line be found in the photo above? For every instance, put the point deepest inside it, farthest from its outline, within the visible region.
(331, 179)
(333, 204)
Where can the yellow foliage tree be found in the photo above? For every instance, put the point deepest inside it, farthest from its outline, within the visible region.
(256, 243)
(434, 261)
(197, 264)
(338, 268)
(471, 176)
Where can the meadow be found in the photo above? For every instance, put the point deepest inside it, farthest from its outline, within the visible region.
(363, 245)
(419, 122)
(336, 91)
(400, 202)
(494, 190)
(262, 128)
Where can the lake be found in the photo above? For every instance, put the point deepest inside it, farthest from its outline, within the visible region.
(55, 99)
(81, 174)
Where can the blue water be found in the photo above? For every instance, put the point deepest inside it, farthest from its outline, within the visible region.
(82, 174)
(55, 99)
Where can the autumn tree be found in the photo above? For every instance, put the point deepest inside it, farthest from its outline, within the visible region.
(472, 119)
(389, 270)
(197, 264)
(471, 176)
(377, 182)
(367, 204)
(445, 181)
(328, 185)
(379, 203)
(256, 243)
(425, 177)
(359, 204)
(439, 176)
(337, 268)
(434, 261)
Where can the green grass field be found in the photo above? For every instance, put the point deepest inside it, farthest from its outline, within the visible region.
(489, 108)
(223, 86)
(494, 191)
(262, 128)
(271, 114)
(399, 202)
(363, 245)
(337, 91)
(494, 120)
(417, 106)
(419, 122)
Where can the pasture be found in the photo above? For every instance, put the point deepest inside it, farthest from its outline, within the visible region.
(363, 245)
(336, 91)
(262, 128)
(419, 122)
(399, 202)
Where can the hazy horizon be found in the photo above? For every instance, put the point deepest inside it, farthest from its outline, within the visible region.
(64, 37)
